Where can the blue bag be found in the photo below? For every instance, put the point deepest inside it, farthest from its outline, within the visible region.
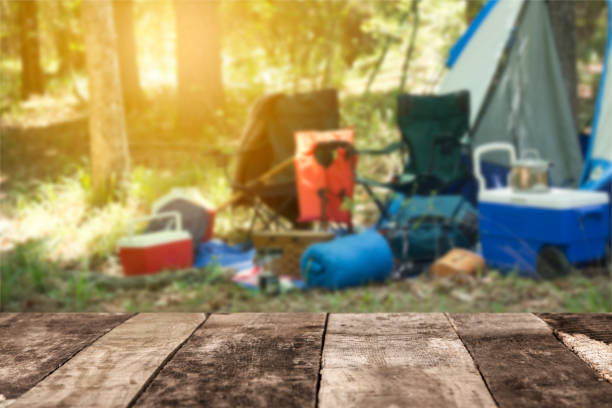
(347, 261)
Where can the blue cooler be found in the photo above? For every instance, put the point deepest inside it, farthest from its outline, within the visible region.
(539, 232)
(516, 226)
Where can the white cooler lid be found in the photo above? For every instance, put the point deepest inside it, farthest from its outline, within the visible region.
(152, 239)
(555, 198)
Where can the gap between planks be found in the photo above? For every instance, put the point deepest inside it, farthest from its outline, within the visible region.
(34, 345)
(320, 375)
(382, 352)
(589, 336)
(114, 369)
(244, 359)
(398, 359)
(452, 323)
(163, 364)
(524, 364)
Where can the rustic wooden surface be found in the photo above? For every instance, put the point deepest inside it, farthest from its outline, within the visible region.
(399, 360)
(114, 369)
(589, 336)
(302, 360)
(34, 345)
(252, 360)
(596, 326)
(525, 365)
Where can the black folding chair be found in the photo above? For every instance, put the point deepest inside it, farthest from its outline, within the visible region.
(268, 139)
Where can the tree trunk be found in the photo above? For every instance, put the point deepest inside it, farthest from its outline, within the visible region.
(63, 37)
(411, 43)
(126, 46)
(326, 78)
(198, 47)
(332, 40)
(587, 12)
(381, 58)
(62, 44)
(472, 7)
(32, 79)
(109, 148)
(377, 66)
(563, 20)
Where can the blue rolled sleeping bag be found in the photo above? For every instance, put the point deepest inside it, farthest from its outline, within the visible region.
(347, 261)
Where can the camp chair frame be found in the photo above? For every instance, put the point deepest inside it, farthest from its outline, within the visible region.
(454, 138)
(270, 217)
(268, 139)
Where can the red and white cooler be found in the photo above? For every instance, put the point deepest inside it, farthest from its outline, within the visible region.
(153, 252)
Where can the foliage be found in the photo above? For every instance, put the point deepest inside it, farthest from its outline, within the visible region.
(271, 45)
(310, 41)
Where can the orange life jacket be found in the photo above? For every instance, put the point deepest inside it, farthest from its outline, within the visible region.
(324, 168)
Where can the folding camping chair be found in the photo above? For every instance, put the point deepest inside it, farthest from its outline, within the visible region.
(433, 145)
(268, 140)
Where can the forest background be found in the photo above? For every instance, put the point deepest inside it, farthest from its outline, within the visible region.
(105, 106)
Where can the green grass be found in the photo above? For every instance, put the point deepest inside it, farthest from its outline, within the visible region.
(32, 283)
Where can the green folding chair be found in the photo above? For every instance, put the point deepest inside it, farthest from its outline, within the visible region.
(434, 146)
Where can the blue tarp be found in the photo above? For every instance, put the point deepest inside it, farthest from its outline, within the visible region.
(228, 256)
(239, 257)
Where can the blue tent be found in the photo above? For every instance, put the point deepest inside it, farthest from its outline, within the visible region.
(508, 60)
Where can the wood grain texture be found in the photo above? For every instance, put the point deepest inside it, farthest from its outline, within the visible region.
(394, 360)
(587, 335)
(597, 326)
(32, 345)
(112, 371)
(244, 360)
(6, 402)
(524, 365)
(7, 316)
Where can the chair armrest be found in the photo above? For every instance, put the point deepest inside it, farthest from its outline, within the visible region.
(385, 150)
(373, 183)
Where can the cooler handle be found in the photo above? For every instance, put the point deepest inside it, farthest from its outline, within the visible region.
(489, 147)
(178, 222)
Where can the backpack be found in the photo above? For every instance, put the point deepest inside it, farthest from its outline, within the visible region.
(420, 229)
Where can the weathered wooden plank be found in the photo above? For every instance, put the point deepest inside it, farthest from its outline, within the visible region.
(112, 371)
(6, 316)
(378, 360)
(6, 402)
(244, 360)
(524, 365)
(32, 345)
(587, 335)
(597, 326)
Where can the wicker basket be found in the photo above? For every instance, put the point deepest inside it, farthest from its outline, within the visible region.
(292, 244)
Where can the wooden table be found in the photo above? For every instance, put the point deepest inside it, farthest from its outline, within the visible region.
(305, 360)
